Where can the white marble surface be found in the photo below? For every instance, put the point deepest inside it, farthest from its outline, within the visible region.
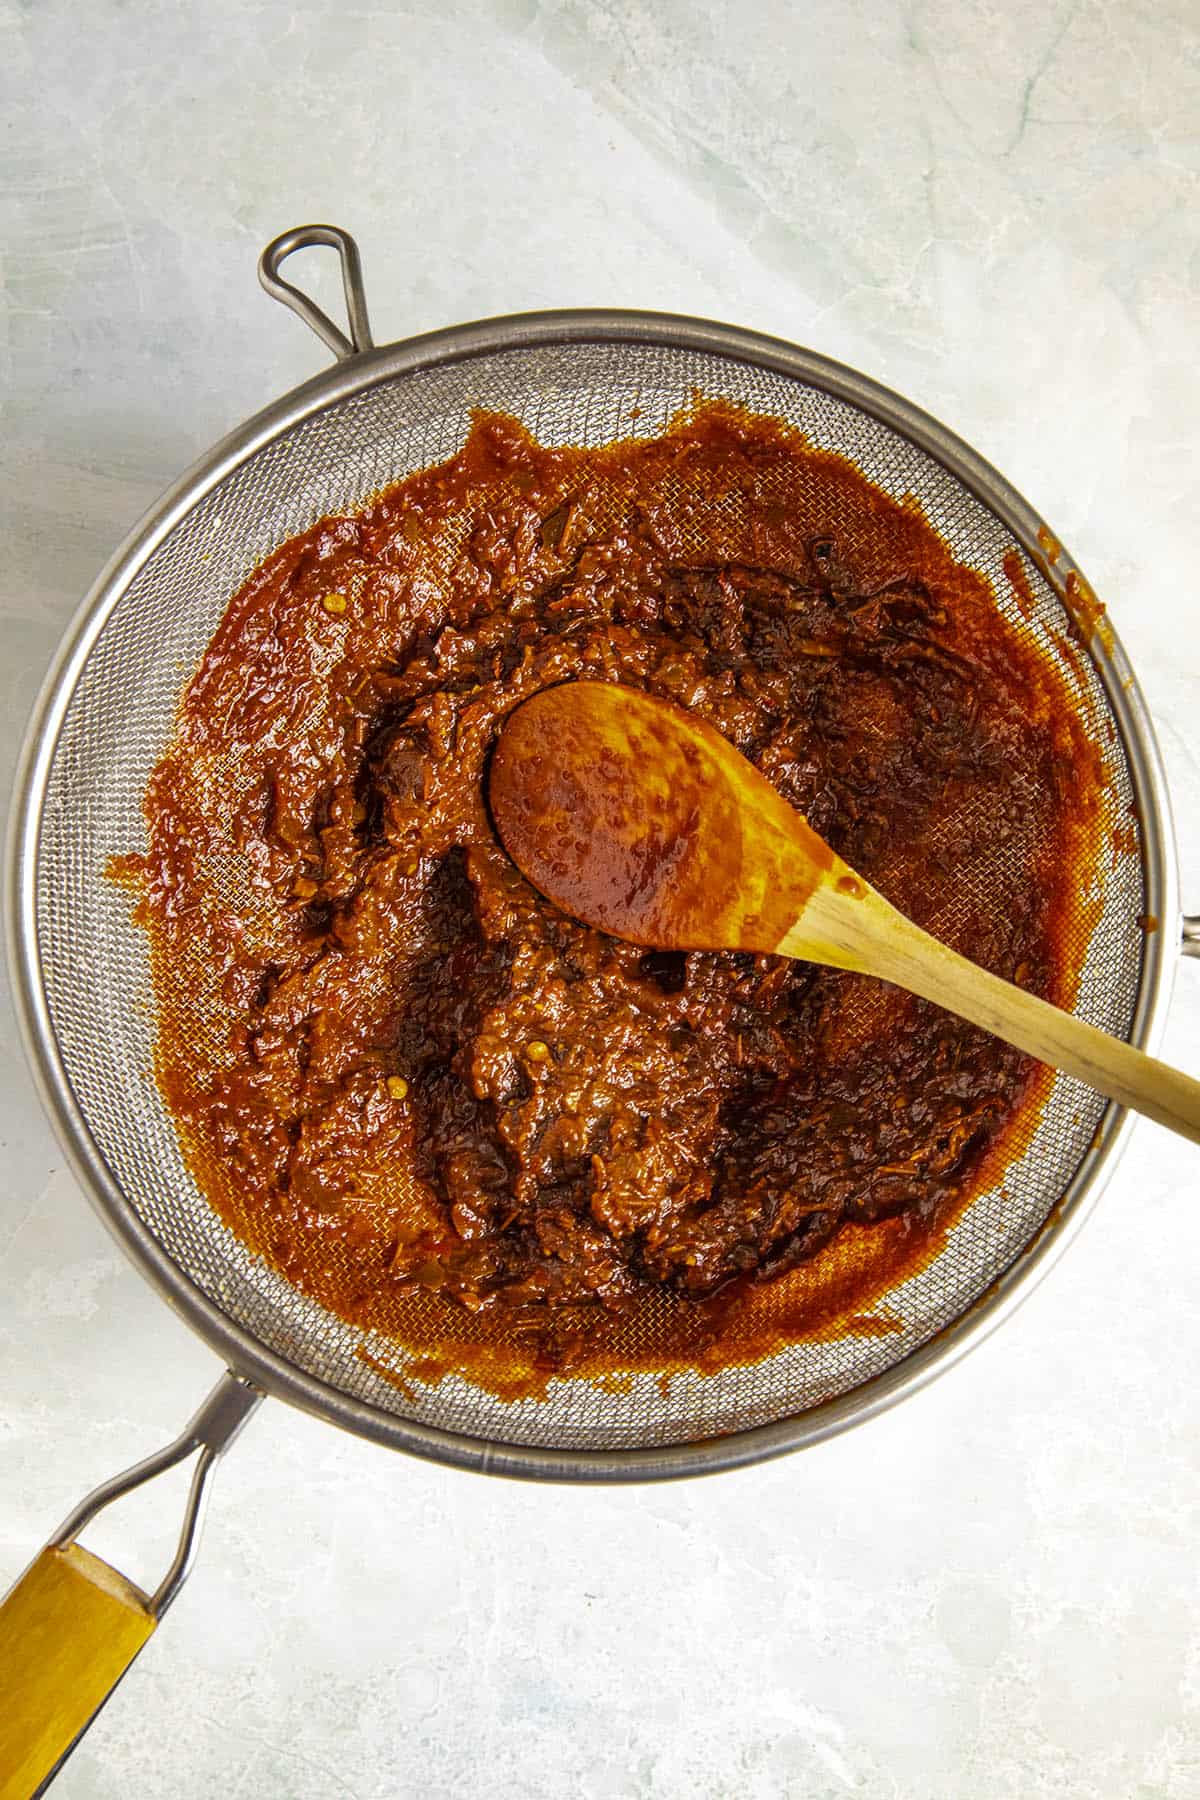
(993, 1591)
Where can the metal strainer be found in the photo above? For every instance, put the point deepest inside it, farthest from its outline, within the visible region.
(81, 967)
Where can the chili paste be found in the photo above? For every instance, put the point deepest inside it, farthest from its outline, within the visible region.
(518, 1145)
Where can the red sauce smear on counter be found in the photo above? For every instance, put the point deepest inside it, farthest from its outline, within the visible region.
(519, 1147)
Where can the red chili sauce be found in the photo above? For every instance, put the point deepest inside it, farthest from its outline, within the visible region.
(516, 1145)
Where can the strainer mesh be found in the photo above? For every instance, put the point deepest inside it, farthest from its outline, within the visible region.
(120, 718)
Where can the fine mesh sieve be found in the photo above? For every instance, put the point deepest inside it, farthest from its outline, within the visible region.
(83, 966)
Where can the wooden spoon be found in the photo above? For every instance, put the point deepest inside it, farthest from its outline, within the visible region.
(642, 820)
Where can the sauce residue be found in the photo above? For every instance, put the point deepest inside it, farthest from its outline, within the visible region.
(1086, 611)
(1051, 547)
(1014, 568)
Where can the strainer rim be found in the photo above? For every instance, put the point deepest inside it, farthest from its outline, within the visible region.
(241, 1349)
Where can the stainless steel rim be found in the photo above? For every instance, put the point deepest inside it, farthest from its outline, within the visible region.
(240, 1350)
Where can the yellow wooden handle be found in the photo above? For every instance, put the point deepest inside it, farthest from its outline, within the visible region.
(69, 1629)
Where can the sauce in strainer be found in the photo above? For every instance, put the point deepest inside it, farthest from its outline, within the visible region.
(517, 1146)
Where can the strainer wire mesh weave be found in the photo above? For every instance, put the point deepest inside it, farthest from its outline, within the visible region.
(120, 717)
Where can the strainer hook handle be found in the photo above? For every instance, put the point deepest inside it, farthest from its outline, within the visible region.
(304, 237)
(211, 1430)
(72, 1625)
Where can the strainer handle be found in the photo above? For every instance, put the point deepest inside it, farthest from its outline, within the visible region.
(304, 237)
(71, 1625)
(1189, 942)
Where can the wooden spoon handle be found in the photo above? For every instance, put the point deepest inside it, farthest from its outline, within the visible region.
(915, 961)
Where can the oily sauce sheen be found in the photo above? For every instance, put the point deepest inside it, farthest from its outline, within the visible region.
(513, 1144)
